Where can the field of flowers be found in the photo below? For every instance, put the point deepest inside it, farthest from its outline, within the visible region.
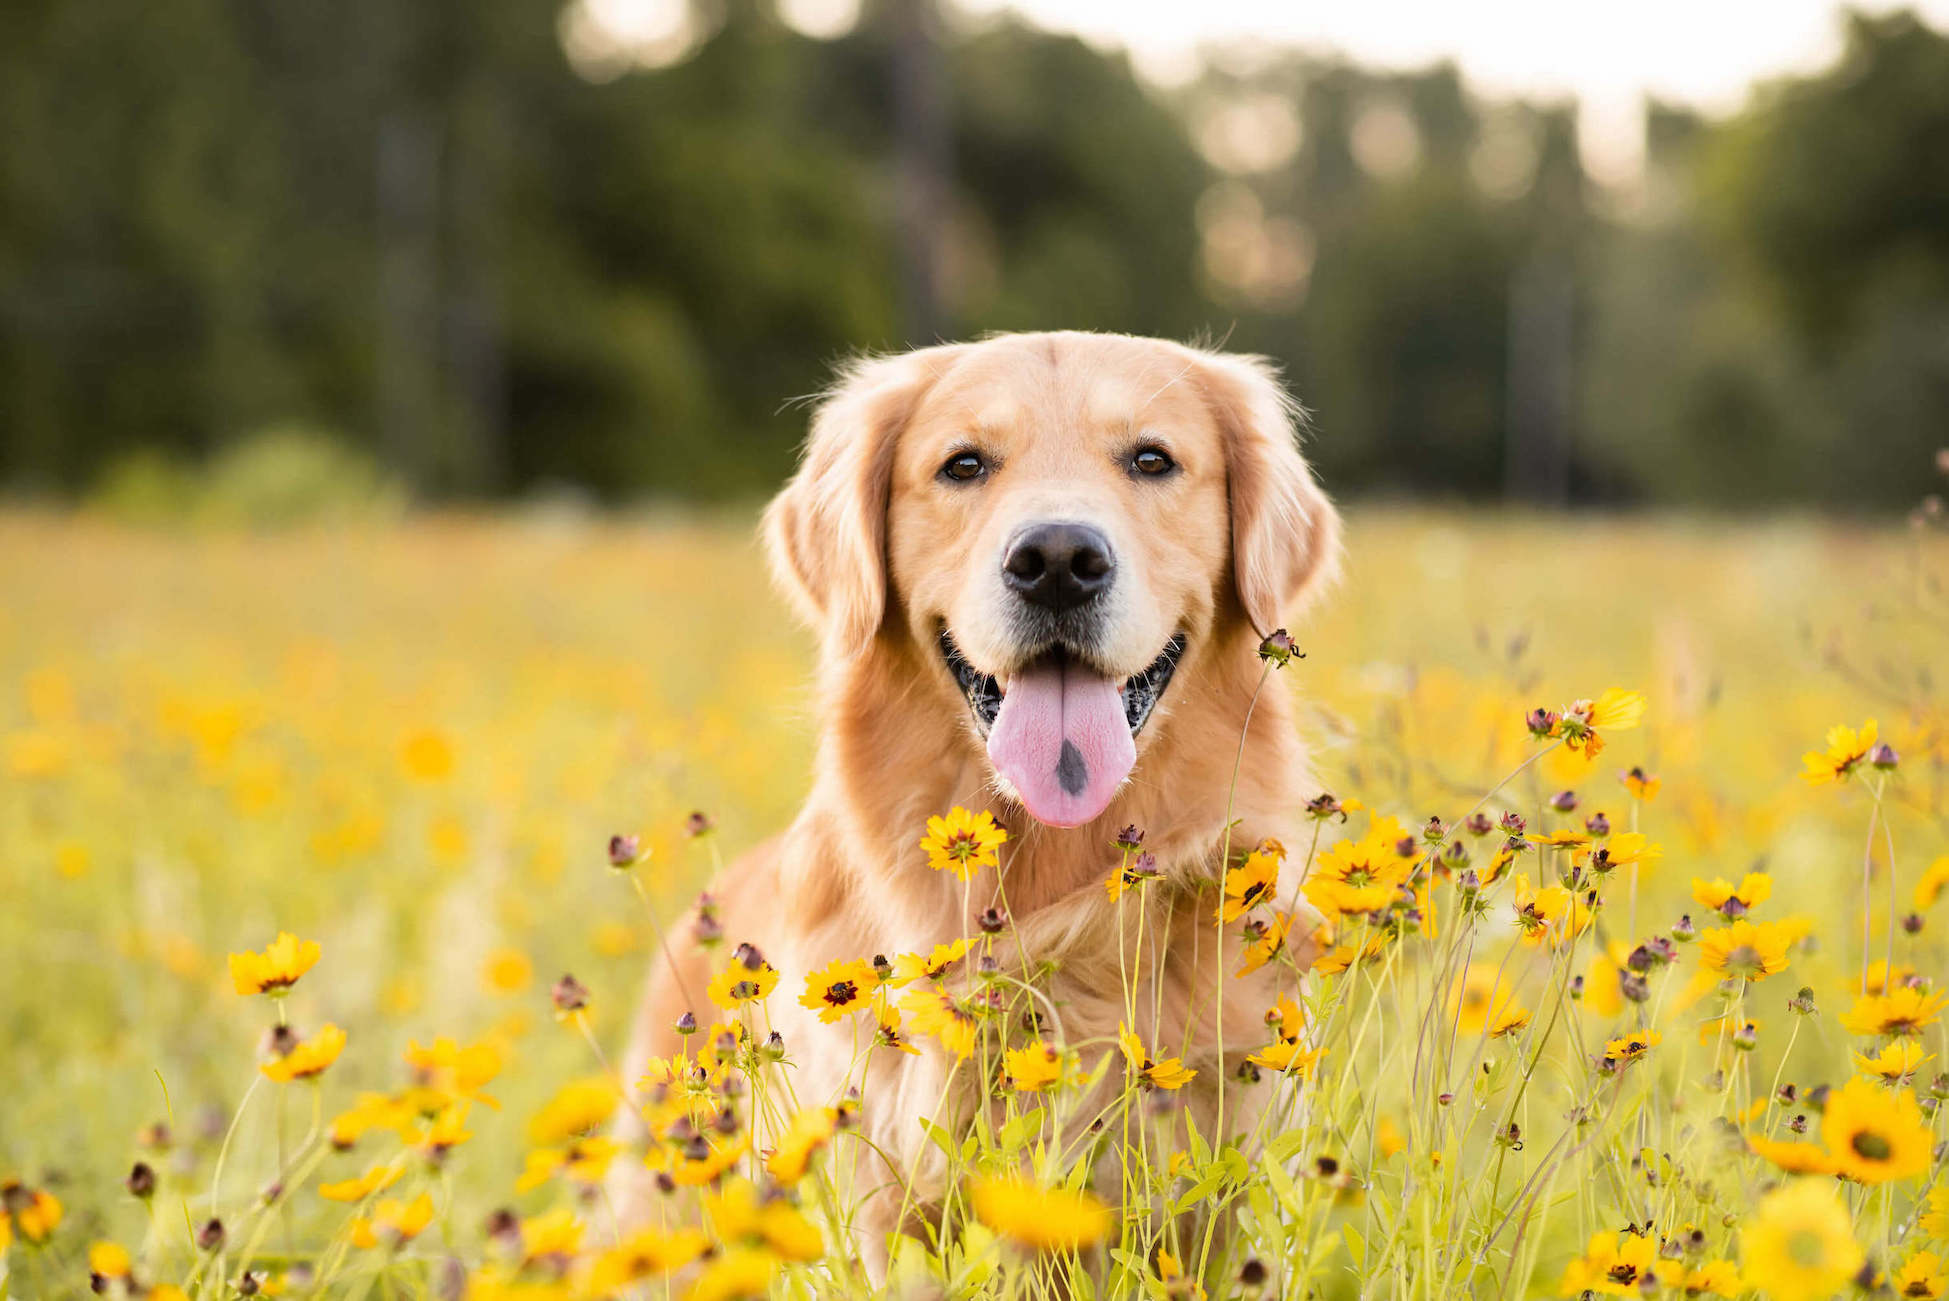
(316, 954)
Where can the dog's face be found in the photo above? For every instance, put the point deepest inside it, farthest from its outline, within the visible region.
(1057, 520)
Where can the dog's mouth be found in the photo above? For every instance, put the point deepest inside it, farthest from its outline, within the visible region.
(1061, 734)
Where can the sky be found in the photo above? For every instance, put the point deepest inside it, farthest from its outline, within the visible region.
(1609, 56)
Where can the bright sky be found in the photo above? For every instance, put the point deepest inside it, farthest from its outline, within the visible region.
(1702, 52)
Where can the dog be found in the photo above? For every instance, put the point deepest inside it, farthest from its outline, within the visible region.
(1040, 568)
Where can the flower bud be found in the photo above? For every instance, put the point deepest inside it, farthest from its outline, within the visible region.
(1685, 932)
(1597, 824)
(1478, 824)
(1564, 801)
(141, 1181)
(698, 824)
(1883, 756)
(210, 1236)
(569, 995)
(1434, 833)
(1803, 1002)
(1252, 1273)
(1746, 1038)
(687, 1023)
(1913, 923)
(625, 852)
(992, 921)
(1541, 723)
(1513, 823)
(1278, 649)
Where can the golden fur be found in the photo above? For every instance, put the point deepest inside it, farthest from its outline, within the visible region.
(876, 556)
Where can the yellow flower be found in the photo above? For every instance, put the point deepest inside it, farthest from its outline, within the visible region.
(1846, 748)
(1921, 1276)
(1333, 961)
(1745, 950)
(507, 971)
(1042, 1219)
(1720, 895)
(1169, 1073)
(1794, 1158)
(887, 1034)
(1905, 1011)
(372, 1111)
(934, 1011)
(32, 1213)
(1936, 1222)
(963, 842)
(1362, 876)
(1250, 883)
(1617, 1264)
(1624, 849)
(1388, 1137)
(1799, 1244)
(1285, 1056)
(1617, 710)
(737, 1213)
(1034, 1067)
(1623, 1051)
(696, 1171)
(578, 1108)
(1718, 1277)
(1642, 785)
(393, 1222)
(748, 978)
(741, 1274)
(1265, 940)
(1552, 914)
(276, 969)
(447, 1129)
(1875, 1135)
(308, 1057)
(376, 1179)
(1881, 978)
(646, 1253)
(452, 1072)
(584, 1161)
(1895, 1064)
(809, 1132)
(909, 967)
(1929, 888)
(426, 756)
(840, 988)
(109, 1260)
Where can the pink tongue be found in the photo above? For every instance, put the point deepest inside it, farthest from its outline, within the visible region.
(1062, 742)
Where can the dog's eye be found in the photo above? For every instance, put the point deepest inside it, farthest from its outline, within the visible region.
(1152, 461)
(964, 467)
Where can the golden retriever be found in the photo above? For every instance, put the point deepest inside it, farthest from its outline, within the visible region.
(1040, 567)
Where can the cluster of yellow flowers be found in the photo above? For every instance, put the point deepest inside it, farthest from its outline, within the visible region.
(1511, 1050)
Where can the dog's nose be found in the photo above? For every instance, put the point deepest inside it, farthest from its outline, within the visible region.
(1059, 566)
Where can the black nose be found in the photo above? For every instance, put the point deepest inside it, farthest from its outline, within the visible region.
(1059, 566)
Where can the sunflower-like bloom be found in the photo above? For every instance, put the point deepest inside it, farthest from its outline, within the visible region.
(1904, 1010)
(807, 1135)
(1641, 784)
(740, 1215)
(1875, 1135)
(1794, 1158)
(1799, 1243)
(963, 842)
(31, 1214)
(276, 969)
(748, 979)
(1846, 749)
(1362, 876)
(377, 1179)
(584, 1161)
(308, 1057)
(1252, 882)
(934, 1011)
(394, 1223)
(1286, 1056)
(1895, 1064)
(839, 988)
(1929, 888)
(1622, 1051)
(645, 1254)
(1041, 1219)
(1337, 959)
(909, 967)
(1935, 1221)
(449, 1072)
(1583, 723)
(1921, 1275)
(1745, 950)
(1882, 977)
(1166, 1073)
(888, 1034)
(1733, 901)
(1265, 940)
(1033, 1068)
(1714, 1278)
(1618, 1264)
(1481, 1000)
(1552, 915)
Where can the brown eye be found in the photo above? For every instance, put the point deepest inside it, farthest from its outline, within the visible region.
(964, 467)
(1152, 461)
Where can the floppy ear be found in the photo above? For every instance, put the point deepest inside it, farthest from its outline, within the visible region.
(826, 530)
(1285, 533)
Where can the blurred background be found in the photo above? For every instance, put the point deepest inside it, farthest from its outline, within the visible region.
(302, 253)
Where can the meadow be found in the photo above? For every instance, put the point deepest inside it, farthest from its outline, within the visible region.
(1520, 1072)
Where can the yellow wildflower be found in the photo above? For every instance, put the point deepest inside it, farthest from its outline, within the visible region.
(1905, 1011)
(1846, 748)
(393, 1223)
(963, 842)
(808, 1133)
(1720, 895)
(839, 988)
(1251, 882)
(276, 969)
(1745, 950)
(1875, 1135)
(1799, 1244)
(307, 1057)
(376, 1179)
(1895, 1064)
(1169, 1073)
(1042, 1219)
(1033, 1067)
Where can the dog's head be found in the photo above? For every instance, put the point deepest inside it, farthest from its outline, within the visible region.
(1060, 520)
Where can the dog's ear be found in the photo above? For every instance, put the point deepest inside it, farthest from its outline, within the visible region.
(826, 529)
(1285, 533)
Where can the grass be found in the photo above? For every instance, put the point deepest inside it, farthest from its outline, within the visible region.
(411, 744)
